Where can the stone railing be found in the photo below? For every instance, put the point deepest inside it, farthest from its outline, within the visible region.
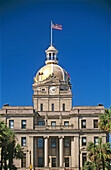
(54, 168)
(56, 127)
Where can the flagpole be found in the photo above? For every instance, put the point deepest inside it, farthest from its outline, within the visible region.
(51, 32)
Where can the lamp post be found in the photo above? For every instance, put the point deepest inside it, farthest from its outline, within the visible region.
(30, 161)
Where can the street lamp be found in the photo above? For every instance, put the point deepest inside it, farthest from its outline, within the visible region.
(30, 161)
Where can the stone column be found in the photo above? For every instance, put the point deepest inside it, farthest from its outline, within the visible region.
(76, 149)
(51, 56)
(55, 56)
(47, 56)
(46, 157)
(61, 151)
(35, 142)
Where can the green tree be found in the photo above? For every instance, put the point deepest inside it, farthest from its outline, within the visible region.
(105, 121)
(9, 149)
(99, 156)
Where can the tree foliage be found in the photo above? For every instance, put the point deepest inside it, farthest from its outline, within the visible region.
(9, 149)
(105, 121)
(99, 156)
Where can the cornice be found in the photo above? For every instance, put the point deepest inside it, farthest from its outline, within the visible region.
(54, 96)
(59, 131)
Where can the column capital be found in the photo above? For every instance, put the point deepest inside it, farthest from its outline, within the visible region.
(61, 137)
(46, 137)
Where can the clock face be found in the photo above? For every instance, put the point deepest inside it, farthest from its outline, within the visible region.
(52, 89)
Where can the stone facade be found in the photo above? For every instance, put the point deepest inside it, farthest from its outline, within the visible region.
(52, 133)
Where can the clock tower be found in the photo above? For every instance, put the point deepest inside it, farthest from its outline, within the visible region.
(52, 88)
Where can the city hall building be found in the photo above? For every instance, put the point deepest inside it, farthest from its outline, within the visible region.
(53, 134)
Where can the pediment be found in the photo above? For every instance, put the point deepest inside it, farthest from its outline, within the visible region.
(50, 80)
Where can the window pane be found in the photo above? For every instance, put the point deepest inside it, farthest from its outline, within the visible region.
(83, 124)
(40, 123)
(53, 123)
(66, 123)
(96, 140)
(40, 142)
(53, 142)
(63, 107)
(83, 141)
(40, 162)
(23, 141)
(84, 158)
(11, 124)
(41, 107)
(53, 162)
(52, 107)
(23, 124)
(23, 161)
(95, 123)
(66, 162)
(66, 142)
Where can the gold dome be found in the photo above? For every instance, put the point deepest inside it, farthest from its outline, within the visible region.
(49, 69)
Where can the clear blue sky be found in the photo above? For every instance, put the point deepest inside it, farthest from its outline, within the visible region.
(84, 47)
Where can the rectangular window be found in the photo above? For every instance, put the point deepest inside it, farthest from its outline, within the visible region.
(63, 106)
(41, 107)
(53, 124)
(23, 122)
(84, 158)
(66, 123)
(40, 123)
(66, 162)
(83, 141)
(23, 161)
(52, 107)
(40, 162)
(83, 123)
(11, 124)
(53, 162)
(95, 123)
(53, 142)
(96, 140)
(40, 142)
(66, 142)
(23, 141)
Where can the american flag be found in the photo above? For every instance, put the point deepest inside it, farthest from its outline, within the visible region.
(56, 26)
(68, 75)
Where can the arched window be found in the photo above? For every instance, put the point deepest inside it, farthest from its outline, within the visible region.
(63, 106)
(41, 107)
(52, 106)
(49, 56)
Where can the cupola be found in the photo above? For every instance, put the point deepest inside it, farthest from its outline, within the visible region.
(51, 55)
